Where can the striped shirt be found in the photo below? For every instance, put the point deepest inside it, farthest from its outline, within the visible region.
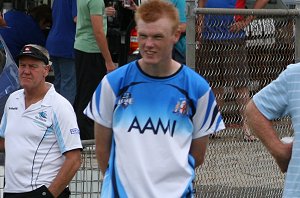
(280, 98)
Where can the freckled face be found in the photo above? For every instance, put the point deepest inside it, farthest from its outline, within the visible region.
(156, 40)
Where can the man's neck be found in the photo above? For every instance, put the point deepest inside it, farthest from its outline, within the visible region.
(33, 96)
(160, 70)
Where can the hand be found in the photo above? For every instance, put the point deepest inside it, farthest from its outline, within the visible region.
(110, 66)
(110, 11)
(240, 25)
(132, 6)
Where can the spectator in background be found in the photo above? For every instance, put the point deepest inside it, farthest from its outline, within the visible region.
(23, 28)
(39, 130)
(179, 50)
(278, 99)
(225, 35)
(60, 44)
(153, 116)
(92, 58)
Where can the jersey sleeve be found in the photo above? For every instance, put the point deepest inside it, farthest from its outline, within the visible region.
(3, 124)
(272, 100)
(3, 120)
(207, 119)
(66, 128)
(101, 107)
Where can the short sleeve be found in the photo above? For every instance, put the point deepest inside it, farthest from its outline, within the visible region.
(272, 101)
(101, 107)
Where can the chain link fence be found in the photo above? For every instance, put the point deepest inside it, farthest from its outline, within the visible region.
(237, 64)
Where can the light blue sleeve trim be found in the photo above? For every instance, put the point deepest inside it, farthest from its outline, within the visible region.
(59, 135)
(3, 124)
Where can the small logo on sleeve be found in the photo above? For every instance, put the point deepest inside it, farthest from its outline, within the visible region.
(74, 131)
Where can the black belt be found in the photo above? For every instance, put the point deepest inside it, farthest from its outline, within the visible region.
(41, 192)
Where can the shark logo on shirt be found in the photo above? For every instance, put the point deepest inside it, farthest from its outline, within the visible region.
(42, 116)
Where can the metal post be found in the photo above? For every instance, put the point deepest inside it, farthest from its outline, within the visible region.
(297, 34)
(190, 33)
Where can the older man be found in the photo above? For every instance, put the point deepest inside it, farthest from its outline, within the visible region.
(40, 132)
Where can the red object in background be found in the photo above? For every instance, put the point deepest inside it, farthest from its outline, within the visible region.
(133, 41)
(240, 4)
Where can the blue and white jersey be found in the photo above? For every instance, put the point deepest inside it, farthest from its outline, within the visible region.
(35, 139)
(282, 97)
(154, 121)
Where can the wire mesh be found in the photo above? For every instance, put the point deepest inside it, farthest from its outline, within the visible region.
(237, 65)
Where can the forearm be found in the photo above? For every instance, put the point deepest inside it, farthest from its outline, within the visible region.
(2, 148)
(66, 173)
(103, 138)
(198, 150)
(102, 159)
(259, 4)
(201, 3)
(103, 46)
(2, 22)
(100, 37)
(263, 128)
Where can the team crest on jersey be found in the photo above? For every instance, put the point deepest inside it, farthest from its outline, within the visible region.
(181, 107)
(126, 99)
(42, 116)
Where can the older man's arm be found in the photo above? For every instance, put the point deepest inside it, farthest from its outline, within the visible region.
(263, 128)
(66, 173)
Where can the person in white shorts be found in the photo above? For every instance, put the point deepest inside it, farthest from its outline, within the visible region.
(39, 133)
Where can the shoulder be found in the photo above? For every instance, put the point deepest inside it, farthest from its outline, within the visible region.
(195, 82)
(194, 76)
(57, 101)
(16, 94)
(121, 72)
(293, 68)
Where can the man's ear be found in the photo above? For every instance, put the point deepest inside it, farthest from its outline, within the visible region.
(177, 34)
(47, 70)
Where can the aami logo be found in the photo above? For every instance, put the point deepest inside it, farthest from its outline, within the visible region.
(153, 127)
